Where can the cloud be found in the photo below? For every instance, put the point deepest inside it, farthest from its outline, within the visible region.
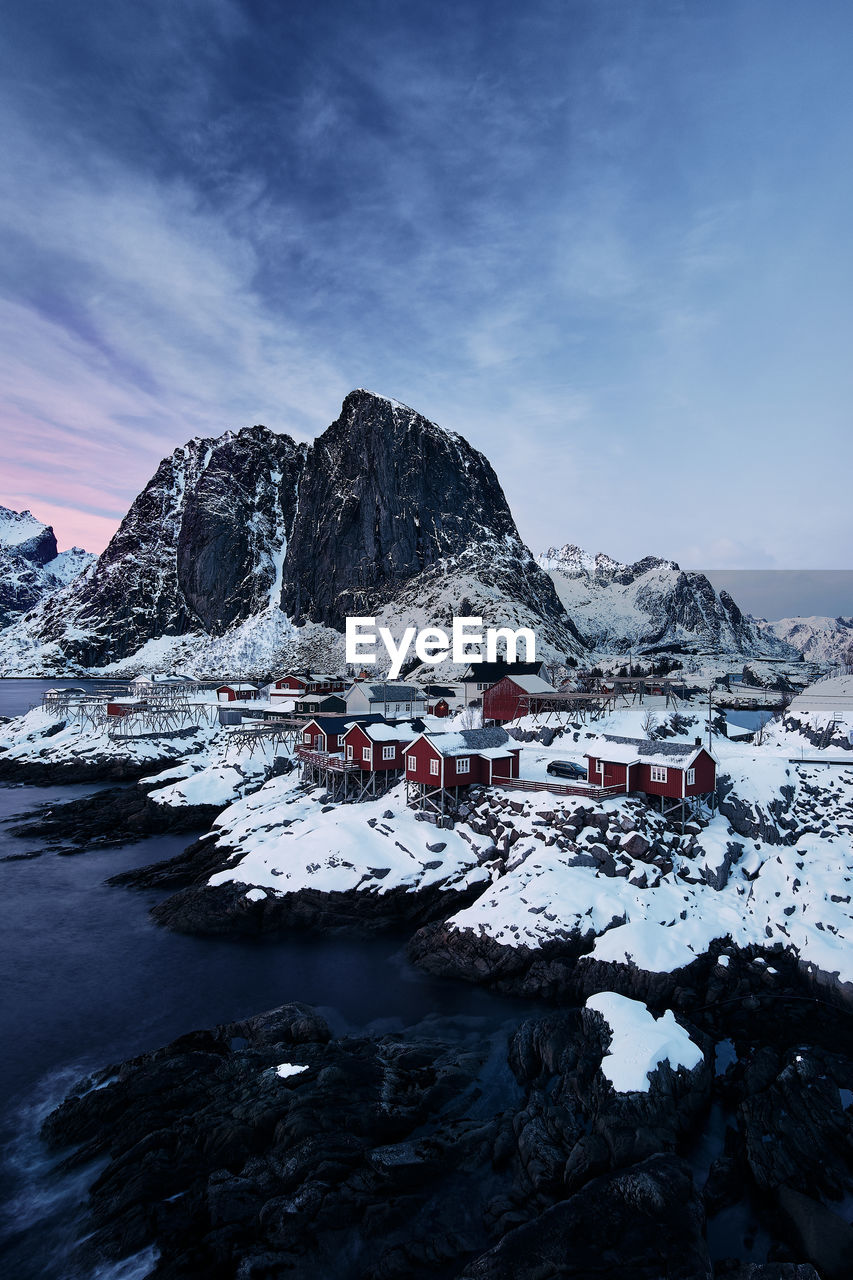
(569, 232)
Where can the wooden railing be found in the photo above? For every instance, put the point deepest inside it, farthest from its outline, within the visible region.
(560, 788)
(327, 761)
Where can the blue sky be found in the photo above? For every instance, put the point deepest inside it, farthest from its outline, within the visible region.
(608, 242)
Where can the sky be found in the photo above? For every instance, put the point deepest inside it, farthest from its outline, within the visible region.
(608, 241)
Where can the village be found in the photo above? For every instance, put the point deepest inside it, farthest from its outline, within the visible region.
(356, 737)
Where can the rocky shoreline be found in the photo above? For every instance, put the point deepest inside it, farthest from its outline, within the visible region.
(270, 1146)
(107, 818)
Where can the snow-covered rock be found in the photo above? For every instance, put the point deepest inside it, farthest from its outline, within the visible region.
(650, 605)
(31, 568)
(818, 639)
(639, 1042)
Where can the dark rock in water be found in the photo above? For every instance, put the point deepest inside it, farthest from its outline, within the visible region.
(350, 1162)
(268, 1147)
(226, 908)
(116, 816)
(644, 1223)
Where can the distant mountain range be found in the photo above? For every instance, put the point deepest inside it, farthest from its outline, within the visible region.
(818, 639)
(31, 567)
(651, 606)
(249, 550)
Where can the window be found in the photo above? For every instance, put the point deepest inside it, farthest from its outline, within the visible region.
(306, 737)
(367, 755)
(388, 753)
(433, 768)
(463, 764)
(657, 773)
(413, 764)
(599, 768)
(691, 777)
(349, 751)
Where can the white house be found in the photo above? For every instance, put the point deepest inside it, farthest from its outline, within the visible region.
(385, 698)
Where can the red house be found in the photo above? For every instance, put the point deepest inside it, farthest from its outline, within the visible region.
(514, 696)
(305, 682)
(379, 747)
(671, 770)
(438, 763)
(326, 733)
(241, 692)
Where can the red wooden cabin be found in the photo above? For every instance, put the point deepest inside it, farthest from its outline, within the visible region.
(514, 696)
(674, 770)
(378, 747)
(458, 759)
(326, 733)
(241, 692)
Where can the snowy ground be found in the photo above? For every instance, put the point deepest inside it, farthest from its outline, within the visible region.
(39, 737)
(551, 868)
(287, 840)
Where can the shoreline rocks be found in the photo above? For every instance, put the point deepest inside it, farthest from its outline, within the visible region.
(241, 909)
(268, 1146)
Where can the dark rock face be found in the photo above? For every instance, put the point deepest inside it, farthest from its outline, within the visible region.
(225, 909)
(388, 497)
(196, 551)
(116, 816)
(644, 1223)
(371, 1160)
(383, 503)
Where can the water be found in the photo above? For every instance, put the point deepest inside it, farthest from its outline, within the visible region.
(18, 696)
(89, 980)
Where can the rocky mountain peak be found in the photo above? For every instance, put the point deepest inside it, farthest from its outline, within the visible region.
(386, 494)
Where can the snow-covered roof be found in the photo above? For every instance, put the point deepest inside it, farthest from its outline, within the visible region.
(243, 686)
(393, 692)
(381, 732)
(532, 684)
(680, 755)
(464, 742)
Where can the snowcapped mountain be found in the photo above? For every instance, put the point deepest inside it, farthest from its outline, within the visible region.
(200, 549)
(650, 605)
(818, 639)
(250, 549)
(402, 519)
(31, 568)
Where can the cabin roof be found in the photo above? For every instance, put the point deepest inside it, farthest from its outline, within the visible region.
(678, 755)
(491, 672)
(464, 742)
(389, 692)
(380, 731)
(531, 684)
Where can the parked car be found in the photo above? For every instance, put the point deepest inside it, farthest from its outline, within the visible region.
(566, 769)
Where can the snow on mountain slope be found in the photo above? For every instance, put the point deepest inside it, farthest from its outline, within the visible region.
(249, 547)
(30, 567)
(650, 605)
(198, 551)
(818, 639)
